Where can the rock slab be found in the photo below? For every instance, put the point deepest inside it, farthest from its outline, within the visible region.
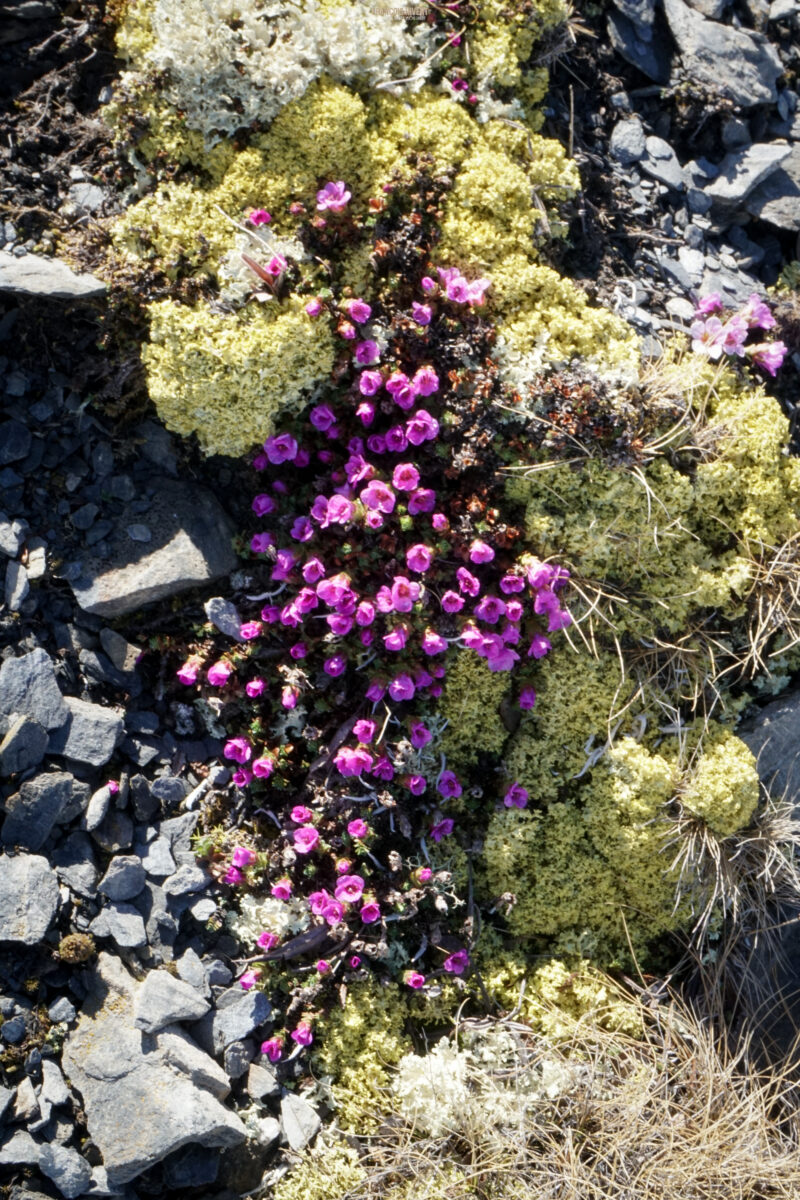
(162, 1000)
(28, 686)
(28, 898)
(144, 1095)
(36, 275)
(190, 545)
(32, 812)
(737, 63)
(89, 735)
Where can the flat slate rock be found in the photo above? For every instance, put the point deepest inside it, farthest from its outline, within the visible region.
(123, 923)
(39, 804)
(36, 275)
(300, 1121)
(736, 63)
(145, 1096)
(742, 171)
(68, 1170)
(28, 686)
(649, 55)
(23, 746)
(777, 199)
(28, 898)
(190, 545)
(90, 734)
(162, 1000)
(773, 735)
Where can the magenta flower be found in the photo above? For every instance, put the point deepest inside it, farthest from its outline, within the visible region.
(284, 562)
(516, 796)
(448, 786)
(259, 216)
(421, 500)
(282, 890)
(267, 940)
(261, 542)
(276, 265)
(306, 839)
(280, 449)
(425, 381)
(263, 504)
(300, 814)
(340, 511)
(402, 687)
(490, 609)
(357, 828)
(512, 583)
(219, 674)
(333, 196)
(367, 353)
(433, 642)
(366, 412)
(333, 912)
(734, 333)
(335, 665)
(351, 761)
(527, 698)
(427, 284)
(314, 307)
(456, 964)
(358, 311)
(263, 767)
(442, 829)
(452, 602)
(768, 355)
(420, 735)
(250, 630)
(355, 962)
(416, 784)
(709, 305)
(383, 769)
(440, 522)
(375, 692)
(395, 440)
(467, 582)
(322, 417)
(540, 645)
(557, 619)
(370, 913)
(422, 427)
(365, 613)
(421, 313)
(349, 889)
(302, 1034)
(756, 313)
(396, 639)
(413, 979)
(233, 876)
(403, 595)
(419, 558)
(240, 750)
(405, 477)
(424, 874)
(323, 966)
(187, 674)
(243, 857)
(313, 570)
(480, 552)
(249, 979)
(378, 496)
(273, 1048)
(364, 730)
(368, 384)
(289, 696)
(401, 389)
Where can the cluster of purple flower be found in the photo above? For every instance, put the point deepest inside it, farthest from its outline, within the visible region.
(712, 337)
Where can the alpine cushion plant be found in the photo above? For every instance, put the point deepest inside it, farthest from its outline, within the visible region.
(386, 550)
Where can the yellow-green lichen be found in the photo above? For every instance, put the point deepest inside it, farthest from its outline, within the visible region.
(329, 1169)
(724, 789)
(237, 372)
(471, 703)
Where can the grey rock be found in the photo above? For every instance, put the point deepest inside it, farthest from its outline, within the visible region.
(300, 1121)
(143, 1095)
(268, 1130)
(123, 654)
(83, 517)
(13, 1030)
(224, 616)
(777, 200)
(139, 533)
(124, 878)
(19, 1150)
(123, 923)
(54, 1089)
(773, 735)
(75, 866)
(640, 13)
(237, 1058)
(186, 880)
(62, 1011)
(26, 1106)
(28, 898)
(191, 545)
(169, 790)
(11, 539)
(191, 1168)
(145, 805)
(115, 831)
(740, 173)
(783, 10)
(738, 63)
(697, 201)
(90, 734)
(627, 144)
(217, 974)
(162, 1000)
(32, 812)
(661, 163)
(35, 275)
(191, 970)
(15, 441)
(735, 133)
(23, 746)
(734, 286)
(203, 909)
(244, 1013)
(262, 1083)
(87, 197)
(157, 858)
(96, 810)
(36, 564)
(16, 585)
(692, 262)
(68, 1170)
(713, 9)
(28, 686)
(680, 308)
(6, 1096)
(646, 55)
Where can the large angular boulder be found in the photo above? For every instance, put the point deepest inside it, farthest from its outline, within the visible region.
(28, 898)
(144, 1095)
(737, 63)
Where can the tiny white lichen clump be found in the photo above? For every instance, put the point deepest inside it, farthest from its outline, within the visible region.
(259, 913)
(238, 281)
(232, 62)
(432, 1089)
